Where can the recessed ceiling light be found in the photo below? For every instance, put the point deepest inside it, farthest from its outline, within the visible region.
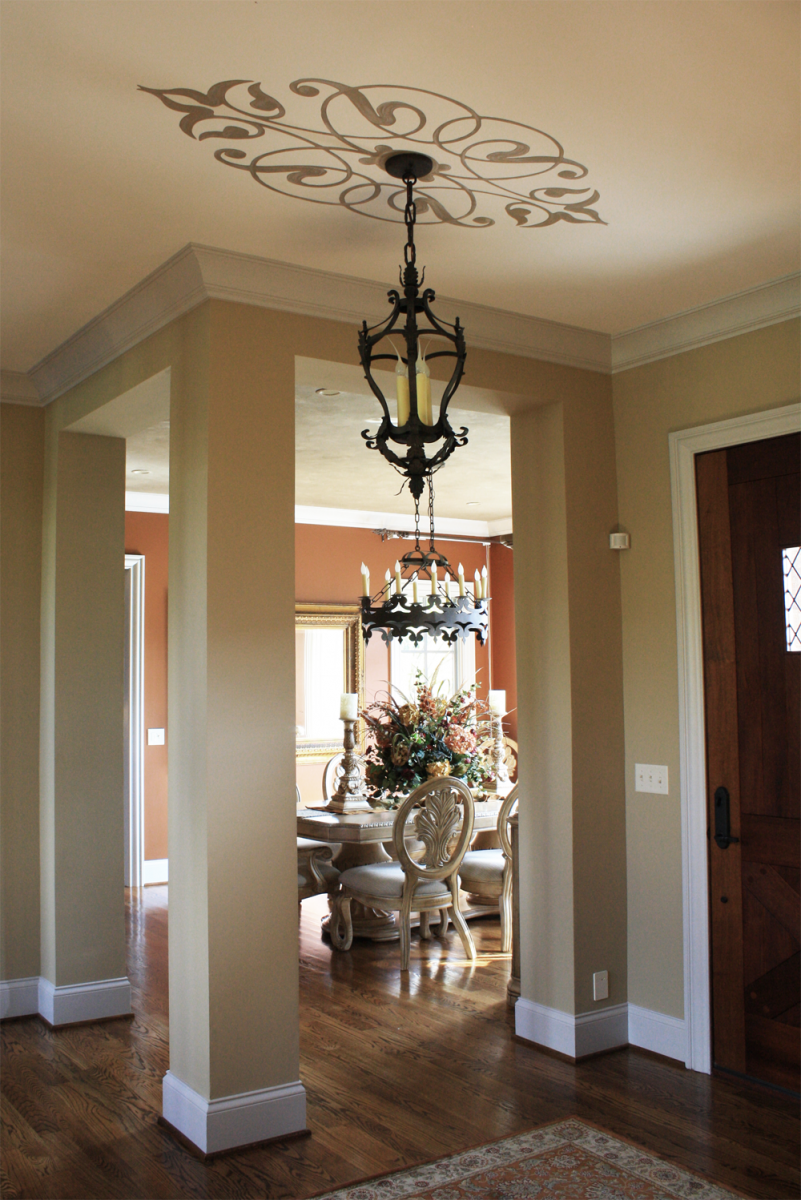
(472, 503)
(327, 392)
(139, 471)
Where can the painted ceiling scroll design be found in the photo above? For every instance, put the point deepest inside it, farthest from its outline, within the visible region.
(482, 165)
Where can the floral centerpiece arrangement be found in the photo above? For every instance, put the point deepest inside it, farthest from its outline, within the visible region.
(421, 737)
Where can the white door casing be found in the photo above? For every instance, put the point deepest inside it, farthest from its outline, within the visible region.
(134, 719)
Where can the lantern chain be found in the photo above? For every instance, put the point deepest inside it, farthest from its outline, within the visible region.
(410, 216)
(431, 509)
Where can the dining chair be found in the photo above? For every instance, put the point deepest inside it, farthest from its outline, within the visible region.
(443, 808)
(316, 871)
(487, 874)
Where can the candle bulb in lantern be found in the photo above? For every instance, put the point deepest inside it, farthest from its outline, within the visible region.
(497, 703)
(402, 391)
(461, 579)
(398, 584)
(433, 579)
(424, 410)
(365, 581)
(348, 706)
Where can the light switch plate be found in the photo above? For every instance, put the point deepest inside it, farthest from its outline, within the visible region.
(155, 737)
(649, 778)
(600, 985)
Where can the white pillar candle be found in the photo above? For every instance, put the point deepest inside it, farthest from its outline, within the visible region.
(483, 583)
(398, 584)
(497, 703)
(424, 410)
(388, 580)
(433, 579)
(477, 587)
(365, 581)
(348, 706)
(447, 587)
(402, 392)
(414, 588)
(461, 579)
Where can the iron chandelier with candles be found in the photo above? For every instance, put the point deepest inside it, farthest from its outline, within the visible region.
(425, 596)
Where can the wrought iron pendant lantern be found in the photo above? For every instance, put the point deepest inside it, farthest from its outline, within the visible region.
(425, 595)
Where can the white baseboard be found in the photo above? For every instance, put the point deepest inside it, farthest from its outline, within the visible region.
(155, 870)
(19, 997)
(241, 1120)
(658, 1032)
(84, 1001)
(575, 1036)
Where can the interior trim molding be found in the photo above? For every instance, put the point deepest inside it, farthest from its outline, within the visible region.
(18, 388)
(134, 732)
(232, 1121)
(19, 997)
(198, 273)
(657, 1032)
(753, 308)
(84, 1001)
(684, 445)
(356, 518)
(573, 1036)
(155, 870)
(147, 502)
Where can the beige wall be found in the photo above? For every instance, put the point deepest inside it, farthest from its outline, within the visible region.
(754, 372)
(81, 798)
(21, 484)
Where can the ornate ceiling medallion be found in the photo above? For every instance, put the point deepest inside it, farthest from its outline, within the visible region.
(336, 155)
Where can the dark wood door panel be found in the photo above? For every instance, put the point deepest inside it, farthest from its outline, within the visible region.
(777, 991)
(771, 840)
(774, 894)
(767, 459)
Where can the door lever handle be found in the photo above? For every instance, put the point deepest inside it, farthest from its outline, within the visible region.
(723, 835)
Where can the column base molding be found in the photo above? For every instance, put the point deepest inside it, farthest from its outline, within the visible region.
(232, 1122)
(79, 1002)
(19, 998)
(657, 1032)
(574, 1036)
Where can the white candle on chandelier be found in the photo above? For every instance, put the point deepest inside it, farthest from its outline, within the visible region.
(461, 579)
(365, 581)
(398, 584)
(402, 391)
(433, 579)
(447, 587)
(497, 703)
(348, 706)
(477, 587)
(484, 583)
(424, 410)
(414, 588)
(388, 579)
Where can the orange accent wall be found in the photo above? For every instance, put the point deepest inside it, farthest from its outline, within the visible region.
(327, 571)
(502, 632)
(148, 534)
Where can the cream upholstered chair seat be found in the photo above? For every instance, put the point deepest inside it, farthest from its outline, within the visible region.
(316, 872)
(443, 815)
(487, 874)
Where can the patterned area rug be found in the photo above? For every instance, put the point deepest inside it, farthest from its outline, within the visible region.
(564, 1161)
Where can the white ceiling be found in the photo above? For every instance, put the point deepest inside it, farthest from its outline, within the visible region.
(686, 115)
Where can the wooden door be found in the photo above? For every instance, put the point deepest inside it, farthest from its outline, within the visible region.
(749, 514)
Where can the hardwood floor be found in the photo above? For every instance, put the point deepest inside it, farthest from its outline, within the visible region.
(397, 1071)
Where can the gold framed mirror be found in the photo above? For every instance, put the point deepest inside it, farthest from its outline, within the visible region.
(329, 660)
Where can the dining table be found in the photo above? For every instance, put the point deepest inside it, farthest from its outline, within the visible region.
(366, 837)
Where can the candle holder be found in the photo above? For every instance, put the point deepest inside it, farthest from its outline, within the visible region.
(350, 796)
(501, 782)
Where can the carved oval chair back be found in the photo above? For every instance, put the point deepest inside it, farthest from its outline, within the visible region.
(440, 814)
(487, 874)
(316, 871)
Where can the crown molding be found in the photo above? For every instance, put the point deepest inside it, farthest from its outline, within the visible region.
(18, 388)
(147, 502)
(754, 308)
(198, 273)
